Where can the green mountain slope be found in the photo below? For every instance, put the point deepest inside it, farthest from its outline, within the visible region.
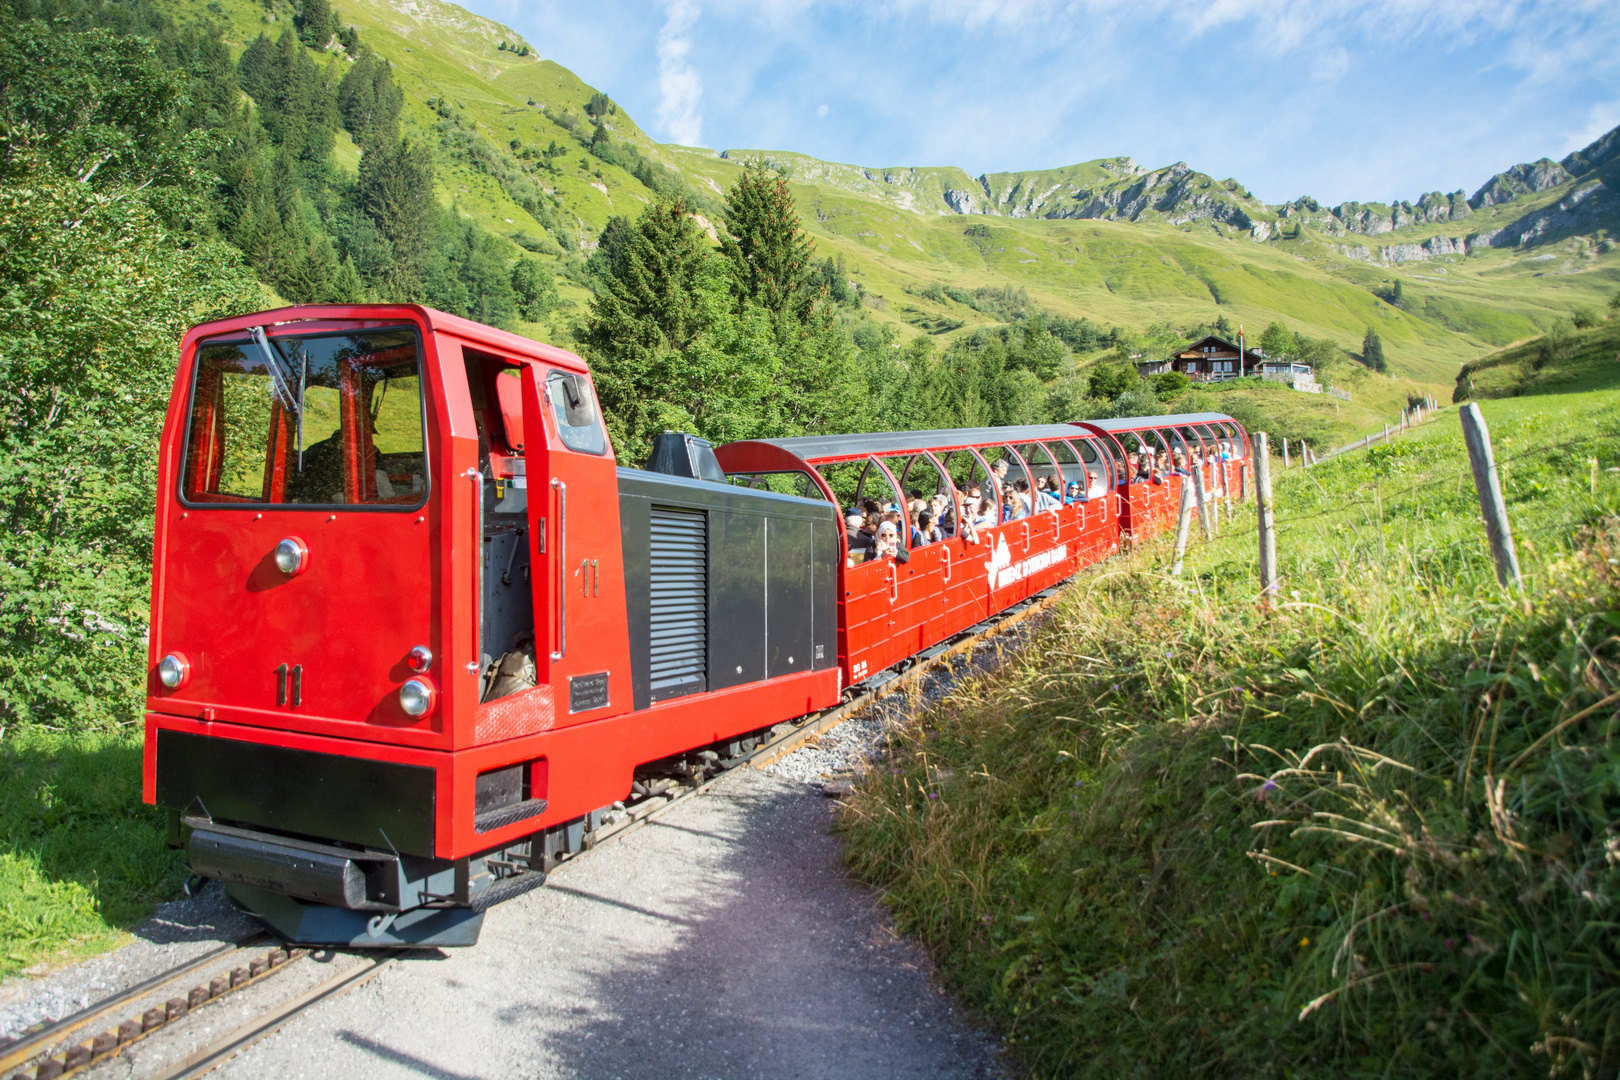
(1107, 239)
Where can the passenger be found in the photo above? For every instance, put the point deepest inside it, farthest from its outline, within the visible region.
(1000, 469)
(870, 508)
(888, 541)
(1044, 499)
(986, 514)
(1074, 493)
(927, 532)
(1021, 493)
(1178, 464)
(861, 542)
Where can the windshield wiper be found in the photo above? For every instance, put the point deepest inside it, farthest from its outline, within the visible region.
(280, 380)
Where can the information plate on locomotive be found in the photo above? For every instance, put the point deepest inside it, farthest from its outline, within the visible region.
(587, 692)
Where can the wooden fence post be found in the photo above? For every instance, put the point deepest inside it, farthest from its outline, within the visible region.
(1268, 525)
(1285, 451)
(1489, 488)
(1203, 503)
(1243, 482)
(1183, 519)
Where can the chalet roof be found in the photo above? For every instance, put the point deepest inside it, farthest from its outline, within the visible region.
(1221, 345)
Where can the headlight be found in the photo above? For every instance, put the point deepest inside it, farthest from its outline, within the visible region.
(174, 671)
(420, 659)
(416, 697)
(292, 556)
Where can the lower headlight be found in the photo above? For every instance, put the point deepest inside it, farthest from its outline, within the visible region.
(416, 697)
(174, 671)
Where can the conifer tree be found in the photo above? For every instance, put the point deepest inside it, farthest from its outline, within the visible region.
(773, 256)
(395, 190)
(646, 314)
(1372, 351)
(369, 100)
(315, 23)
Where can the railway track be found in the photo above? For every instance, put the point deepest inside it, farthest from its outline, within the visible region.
(60, 1049)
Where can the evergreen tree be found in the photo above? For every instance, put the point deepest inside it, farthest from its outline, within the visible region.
(771, 253)
(395, 190)
(1395, 293)
(369, 100)
(1372, 351)
(646, 311)
(315, 24)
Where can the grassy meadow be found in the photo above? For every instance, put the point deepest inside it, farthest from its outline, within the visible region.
(1371, 834)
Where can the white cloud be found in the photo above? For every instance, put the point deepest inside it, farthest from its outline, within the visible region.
(680, 86)
(1332, 66)
(821, 110)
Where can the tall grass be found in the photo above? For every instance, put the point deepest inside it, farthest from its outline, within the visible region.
(1369, 835)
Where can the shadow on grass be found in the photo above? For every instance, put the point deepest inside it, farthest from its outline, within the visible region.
(81, 857)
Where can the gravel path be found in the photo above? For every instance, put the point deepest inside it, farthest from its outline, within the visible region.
(721, 940)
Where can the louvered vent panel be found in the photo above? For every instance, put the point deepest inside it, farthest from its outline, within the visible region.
(679, 643)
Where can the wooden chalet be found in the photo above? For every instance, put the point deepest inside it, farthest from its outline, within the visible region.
(1210, 359)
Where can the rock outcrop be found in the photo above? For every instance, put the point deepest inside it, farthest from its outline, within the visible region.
(1522, 179)
(1598, 154)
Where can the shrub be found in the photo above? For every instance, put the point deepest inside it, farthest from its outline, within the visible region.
(1171, 384)
(1584, 318)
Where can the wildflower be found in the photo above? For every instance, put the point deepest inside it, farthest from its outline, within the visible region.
(933, 794)
(1116, 686)
(1269, 785)
(1450, 944)
(1304, 942)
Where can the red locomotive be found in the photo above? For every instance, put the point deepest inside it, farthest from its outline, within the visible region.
(414, 629)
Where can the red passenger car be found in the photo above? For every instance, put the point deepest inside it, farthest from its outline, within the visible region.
(892, 608)
(1172, 444)
(414, 629)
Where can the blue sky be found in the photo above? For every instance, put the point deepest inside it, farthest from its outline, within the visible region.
(1368, 101)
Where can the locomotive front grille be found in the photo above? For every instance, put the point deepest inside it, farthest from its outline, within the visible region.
(679, 634)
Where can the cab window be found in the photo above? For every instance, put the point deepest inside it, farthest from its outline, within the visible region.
(315, 420)
(573, 403)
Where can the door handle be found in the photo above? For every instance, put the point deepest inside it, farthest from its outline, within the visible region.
(562, 570)
(894, 581)
(281, 684)
(945, 554)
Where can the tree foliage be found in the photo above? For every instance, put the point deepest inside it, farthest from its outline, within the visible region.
(763, 238)
(1372, 351)
(95, 289)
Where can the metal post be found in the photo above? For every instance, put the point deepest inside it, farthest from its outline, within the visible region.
(1489, 488)
(1285, 451)
(1183, 518)
(1203, 505)
(1243, 482)
(1268, 524)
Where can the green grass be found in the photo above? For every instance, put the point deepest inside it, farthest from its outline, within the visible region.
(82, 860)
(1369, 835)
(1568, 362)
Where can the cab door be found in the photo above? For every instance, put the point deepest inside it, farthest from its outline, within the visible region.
(582, 645)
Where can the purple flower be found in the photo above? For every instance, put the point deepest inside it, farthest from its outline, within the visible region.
(1116, 686)
(933, 794)
(1269, 785)
(1450, 944)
